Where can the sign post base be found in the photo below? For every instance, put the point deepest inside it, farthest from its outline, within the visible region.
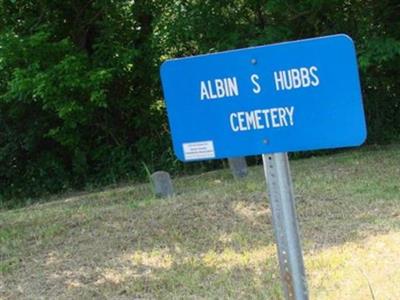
(280, 191)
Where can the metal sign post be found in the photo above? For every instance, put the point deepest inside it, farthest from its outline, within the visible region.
(293, 96)
(280, 190)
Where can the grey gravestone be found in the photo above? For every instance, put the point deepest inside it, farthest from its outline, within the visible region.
(238, 166)
(162, 184)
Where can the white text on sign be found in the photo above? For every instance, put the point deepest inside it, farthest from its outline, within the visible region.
(219, 88)
(295, 78)
(262, 118)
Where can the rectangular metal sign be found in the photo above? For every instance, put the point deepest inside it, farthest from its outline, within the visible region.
(294, 96)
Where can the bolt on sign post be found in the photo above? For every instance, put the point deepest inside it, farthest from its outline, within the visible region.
(269, 100)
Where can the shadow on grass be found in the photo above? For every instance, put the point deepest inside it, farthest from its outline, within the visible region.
(213, 240)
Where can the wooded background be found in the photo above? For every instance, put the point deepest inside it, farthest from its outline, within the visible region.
(80, 95)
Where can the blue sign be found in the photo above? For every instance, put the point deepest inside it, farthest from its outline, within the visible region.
(294, 96)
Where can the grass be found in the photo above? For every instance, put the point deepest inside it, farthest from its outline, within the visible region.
(214, 239)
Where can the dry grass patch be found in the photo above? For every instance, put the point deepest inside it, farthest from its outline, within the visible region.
(214, 239)
(369, 269)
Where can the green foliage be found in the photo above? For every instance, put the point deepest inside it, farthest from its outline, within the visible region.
(80, 98)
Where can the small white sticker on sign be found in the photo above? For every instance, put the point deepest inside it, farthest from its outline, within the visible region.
(199, 150)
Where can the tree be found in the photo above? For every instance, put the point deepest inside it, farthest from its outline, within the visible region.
(80, 97)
